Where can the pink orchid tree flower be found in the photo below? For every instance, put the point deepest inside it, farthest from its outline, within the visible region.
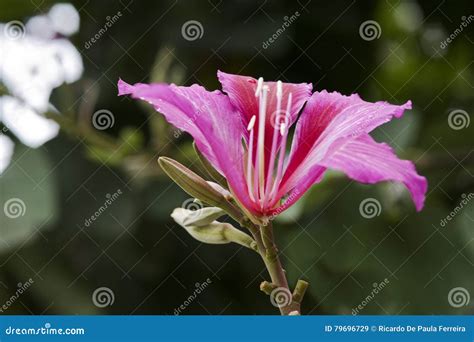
(244, 134)
(332, 133)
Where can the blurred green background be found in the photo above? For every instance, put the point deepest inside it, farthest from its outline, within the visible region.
(149, 263)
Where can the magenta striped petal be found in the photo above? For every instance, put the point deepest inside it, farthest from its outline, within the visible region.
(211, 120)
(366, 161)
(326, 118)
(328, 122)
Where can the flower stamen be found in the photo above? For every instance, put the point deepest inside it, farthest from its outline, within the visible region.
(261, 140)
(250, 157)
(259, 86)
(275, 118)
(262, 185)
(284, 132)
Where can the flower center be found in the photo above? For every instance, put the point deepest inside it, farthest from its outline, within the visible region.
(263, 187)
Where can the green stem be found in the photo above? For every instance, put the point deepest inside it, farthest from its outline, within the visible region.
(269, 253)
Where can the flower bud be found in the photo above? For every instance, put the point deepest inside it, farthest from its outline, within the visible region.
(197, 187)
(190, 182)
(201, 225)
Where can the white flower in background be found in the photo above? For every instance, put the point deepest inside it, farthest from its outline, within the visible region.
(34, 59)
(65, 19)
(6, 151)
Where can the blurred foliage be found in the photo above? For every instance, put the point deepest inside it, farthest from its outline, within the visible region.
(152, 265)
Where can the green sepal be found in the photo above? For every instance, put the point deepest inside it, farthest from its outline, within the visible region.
(198, 188)
(190, 182)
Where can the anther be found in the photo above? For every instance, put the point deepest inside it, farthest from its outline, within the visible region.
(251, 123)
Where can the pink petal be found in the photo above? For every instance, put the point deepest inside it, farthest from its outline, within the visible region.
(367, 161)
(331, 120)
(326, 118)
(211, 120)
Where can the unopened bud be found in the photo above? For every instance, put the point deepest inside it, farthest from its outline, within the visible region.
(201, 225)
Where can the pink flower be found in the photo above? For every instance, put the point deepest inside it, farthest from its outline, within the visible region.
(244, 135)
